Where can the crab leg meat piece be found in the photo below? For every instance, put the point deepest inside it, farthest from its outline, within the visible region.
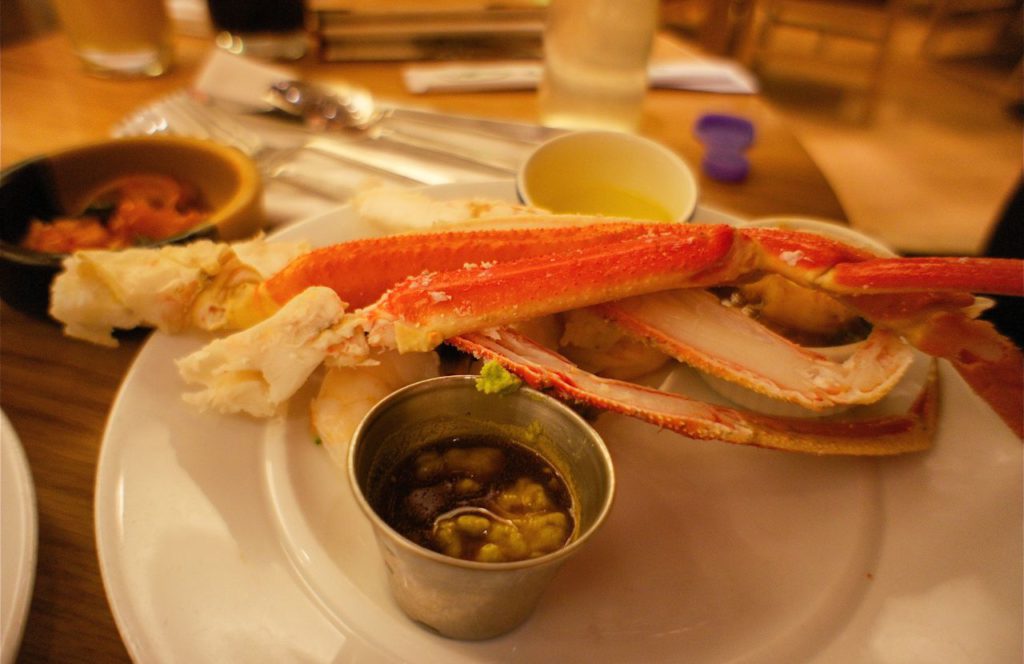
(361, 270)
(692, 326)
(202, 285)
(256, 370)
(423, 311)
(544, 369)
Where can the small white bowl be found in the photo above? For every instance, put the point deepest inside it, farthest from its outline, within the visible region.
(608, 173)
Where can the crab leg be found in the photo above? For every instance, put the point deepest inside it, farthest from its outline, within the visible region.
(544, 369)
(830, 265)
(425, 309)
(359, 271)
(692, 326)
(421, 312)
(1000, 275)
(102, 289)
(217, 286)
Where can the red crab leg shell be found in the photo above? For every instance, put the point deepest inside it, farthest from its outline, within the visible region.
(360, 271)
(803, 255)
(840, 268)
(544, 369)
(995, 276)
(427, 309)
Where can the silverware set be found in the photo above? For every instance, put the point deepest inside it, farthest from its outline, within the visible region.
(402, 145)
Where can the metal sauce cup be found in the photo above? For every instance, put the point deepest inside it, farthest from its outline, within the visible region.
(466, 599)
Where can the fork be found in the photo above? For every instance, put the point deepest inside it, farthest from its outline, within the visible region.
(182, 114)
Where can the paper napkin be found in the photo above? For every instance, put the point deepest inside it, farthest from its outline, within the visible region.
(703, 75)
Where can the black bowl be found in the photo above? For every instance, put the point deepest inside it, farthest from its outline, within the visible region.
(57, 185)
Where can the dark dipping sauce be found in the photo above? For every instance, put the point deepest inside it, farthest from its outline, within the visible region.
(482, 498)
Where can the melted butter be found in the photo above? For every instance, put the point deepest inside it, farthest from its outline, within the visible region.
(604, 200)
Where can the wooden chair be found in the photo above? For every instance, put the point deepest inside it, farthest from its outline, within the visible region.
(719, 27)
(819, 27)
(20, 19)
(999, 21)
(982, 31)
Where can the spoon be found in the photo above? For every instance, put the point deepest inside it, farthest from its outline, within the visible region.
(345, 107)
(348, 107)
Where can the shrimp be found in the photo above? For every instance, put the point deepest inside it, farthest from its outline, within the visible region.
(348, 393)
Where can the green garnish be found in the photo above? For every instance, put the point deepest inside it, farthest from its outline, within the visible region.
(496, 379)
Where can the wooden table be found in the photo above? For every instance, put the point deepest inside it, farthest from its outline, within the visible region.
(57, 392)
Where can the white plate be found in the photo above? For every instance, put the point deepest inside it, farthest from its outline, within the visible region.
(18, 539)
(227, 539)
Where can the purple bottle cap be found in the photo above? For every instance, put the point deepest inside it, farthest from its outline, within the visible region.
(726, 131)
(725, 137)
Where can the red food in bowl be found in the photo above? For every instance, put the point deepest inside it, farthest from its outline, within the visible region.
(131, 210)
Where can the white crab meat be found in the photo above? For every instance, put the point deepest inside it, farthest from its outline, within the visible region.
(256, 370)
(171, 288)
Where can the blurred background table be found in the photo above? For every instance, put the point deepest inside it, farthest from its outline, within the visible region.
(57, 393)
